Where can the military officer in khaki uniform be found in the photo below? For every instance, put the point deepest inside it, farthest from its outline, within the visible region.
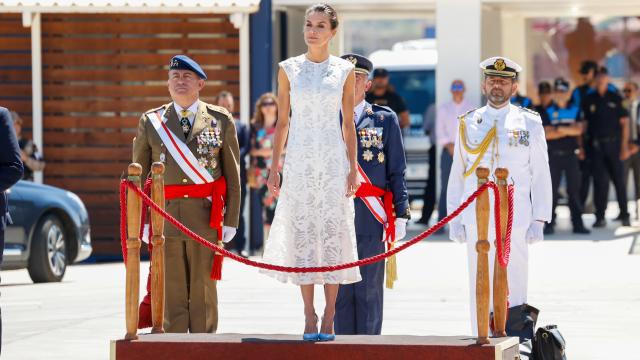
(206, 134)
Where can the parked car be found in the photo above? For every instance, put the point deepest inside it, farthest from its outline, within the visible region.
(412, 72)
(50, 230)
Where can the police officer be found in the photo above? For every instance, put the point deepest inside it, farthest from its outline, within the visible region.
(381, 158)
(608, 136)
(502, 135)
(192, 130)
(521, 101)
(563, 128)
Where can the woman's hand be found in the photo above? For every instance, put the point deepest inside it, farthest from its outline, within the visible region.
(352, 183)
(273, 182)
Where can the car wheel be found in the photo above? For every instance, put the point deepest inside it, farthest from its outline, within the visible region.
(48, 258)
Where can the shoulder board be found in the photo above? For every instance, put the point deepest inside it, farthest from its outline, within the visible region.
(158, 108)
(461, 117)
(219, 109)
(377, 107)
(529, 110)
(369, 111)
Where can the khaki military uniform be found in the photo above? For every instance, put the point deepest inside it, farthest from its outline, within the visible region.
(190, 295)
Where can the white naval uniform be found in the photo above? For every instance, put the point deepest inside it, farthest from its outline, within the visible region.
(528, 166)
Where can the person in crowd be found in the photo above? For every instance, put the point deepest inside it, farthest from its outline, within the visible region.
(446, 134)
(225, 100)
(382, 93)
(429, 195)
(263, 129)
(32, 159)
(607, 123)
(563, 128)
(632, 164)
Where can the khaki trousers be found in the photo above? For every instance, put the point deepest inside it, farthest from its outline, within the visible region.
(191, 299)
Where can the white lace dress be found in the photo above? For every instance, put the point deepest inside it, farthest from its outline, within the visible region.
(314, 221)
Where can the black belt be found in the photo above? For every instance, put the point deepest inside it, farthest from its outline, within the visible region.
(563, 152)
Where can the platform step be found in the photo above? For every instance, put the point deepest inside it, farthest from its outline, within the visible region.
(285, 347)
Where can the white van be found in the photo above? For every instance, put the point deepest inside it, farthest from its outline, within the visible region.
(411, 66)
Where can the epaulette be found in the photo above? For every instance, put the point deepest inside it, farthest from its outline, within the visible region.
(382, 107)
(529, 110)
(461, 117)
(220, 109)
(534, 115)
(158, 108)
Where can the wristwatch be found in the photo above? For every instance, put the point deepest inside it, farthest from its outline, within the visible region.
(405, 215)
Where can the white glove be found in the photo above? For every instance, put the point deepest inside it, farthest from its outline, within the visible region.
(228, 233)
(145, 234)
(457, 233)
(401, 228)
(535, 233)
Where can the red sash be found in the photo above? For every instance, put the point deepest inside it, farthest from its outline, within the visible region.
(367, 189)
(217, 190)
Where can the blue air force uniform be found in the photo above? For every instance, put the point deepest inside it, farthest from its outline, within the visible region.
(381, 157)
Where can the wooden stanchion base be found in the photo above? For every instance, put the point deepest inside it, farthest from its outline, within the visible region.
(284, 347)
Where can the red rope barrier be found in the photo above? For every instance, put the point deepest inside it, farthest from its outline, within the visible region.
(220, 250)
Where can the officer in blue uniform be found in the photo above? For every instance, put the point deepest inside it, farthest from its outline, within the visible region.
(563, 129)
(381, 157)
(522, 101)
(608, 136)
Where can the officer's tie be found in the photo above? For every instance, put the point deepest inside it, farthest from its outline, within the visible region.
(185, 123)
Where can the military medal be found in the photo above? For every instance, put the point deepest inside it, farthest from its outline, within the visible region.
(380, 157)
(162, 157)
(367, 155)
(524, 137)
(593, 108)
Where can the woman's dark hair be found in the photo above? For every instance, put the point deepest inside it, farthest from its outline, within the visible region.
(258, 117)
(326, 9)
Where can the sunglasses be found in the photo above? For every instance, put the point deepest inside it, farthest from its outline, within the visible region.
(457, 87)
(268, 103)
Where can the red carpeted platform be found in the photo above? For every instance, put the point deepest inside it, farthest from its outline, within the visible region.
(285, 347)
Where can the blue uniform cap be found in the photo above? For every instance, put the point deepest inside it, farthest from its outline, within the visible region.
(183, 62)
(361, 63)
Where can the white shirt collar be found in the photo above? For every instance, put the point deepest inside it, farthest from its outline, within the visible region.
(493, 111)
(193, 108)
(358, 110)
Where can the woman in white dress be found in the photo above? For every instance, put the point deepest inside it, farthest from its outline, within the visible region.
(314, 218)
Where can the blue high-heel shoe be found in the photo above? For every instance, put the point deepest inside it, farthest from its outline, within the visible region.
(311, 336)
(326, 337)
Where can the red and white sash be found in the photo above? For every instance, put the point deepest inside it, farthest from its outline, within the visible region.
(374, 203)
(180, 151)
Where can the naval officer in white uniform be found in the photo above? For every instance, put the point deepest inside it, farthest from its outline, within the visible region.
(507, 136)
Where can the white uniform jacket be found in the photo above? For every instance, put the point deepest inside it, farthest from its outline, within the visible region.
(520, 147)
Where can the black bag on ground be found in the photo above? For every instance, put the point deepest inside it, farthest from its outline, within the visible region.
(549, 344)
(521, 321)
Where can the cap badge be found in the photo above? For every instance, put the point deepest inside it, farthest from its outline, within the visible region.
(352, 60)
(499, 65)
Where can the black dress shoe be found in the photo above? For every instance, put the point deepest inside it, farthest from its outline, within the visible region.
(581, 230)
(548, 229)
(424, 222)
(600, 223)
(625, 221)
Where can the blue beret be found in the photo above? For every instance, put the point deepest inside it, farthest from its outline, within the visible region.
(362, 64)
(183, 62)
